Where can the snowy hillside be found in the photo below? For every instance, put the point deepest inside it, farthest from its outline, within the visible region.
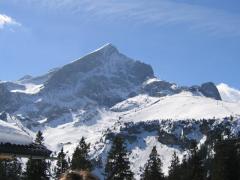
(184, 105)
(105, 93)
(228, 93)
(140, 109)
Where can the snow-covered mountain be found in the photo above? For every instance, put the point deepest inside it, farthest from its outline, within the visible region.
(228, 93)
(106, 93)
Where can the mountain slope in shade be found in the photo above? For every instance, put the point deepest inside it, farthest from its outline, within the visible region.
(100, 79)
(105, 76)
(228, 93)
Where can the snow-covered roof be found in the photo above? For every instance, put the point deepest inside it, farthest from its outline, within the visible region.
(11, 133)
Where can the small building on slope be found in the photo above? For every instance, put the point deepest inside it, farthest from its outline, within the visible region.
(15, 142)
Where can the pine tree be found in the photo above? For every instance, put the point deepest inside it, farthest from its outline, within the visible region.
(185, 169)
(153, 168)
(196, 163)
(80, 158)
(118, 164)
(39, 138)
(206, 158)
(37, 169)
(174, 168)
(61, 165)
(226, 161)
(10, 169)
(2, 169)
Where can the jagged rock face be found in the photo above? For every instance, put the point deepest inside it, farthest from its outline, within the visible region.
(100, 79)
(178, 133)
(163, 88)
(25, 78)
(141, 71)
(160, 88)
(7, 101)
(39, 79)
(3, 116)
(105, 76)
(11, 86)
(210, 90)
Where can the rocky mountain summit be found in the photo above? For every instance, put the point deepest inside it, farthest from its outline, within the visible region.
(102, 78)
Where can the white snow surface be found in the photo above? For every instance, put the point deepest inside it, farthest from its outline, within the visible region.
(70, 133)
(10, 132)
(149, 81)
(29, 89)
(180, 106)
(228, 93)
(138, 102)
(141, 108)
(140, 154)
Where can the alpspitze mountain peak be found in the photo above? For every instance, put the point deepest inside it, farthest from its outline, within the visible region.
(107, 48)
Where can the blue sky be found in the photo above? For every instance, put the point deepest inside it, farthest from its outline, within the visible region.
(186, 41)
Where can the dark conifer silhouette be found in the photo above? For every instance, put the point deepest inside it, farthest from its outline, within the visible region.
(39, 138)
(226, 164)
(118, 165)
(174, 167)
(196, 163)
(37, 169)
(10, 169)
(80, 158)
(153, 168)
(61, 165)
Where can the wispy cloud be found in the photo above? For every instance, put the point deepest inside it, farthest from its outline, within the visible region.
(164, 12)
(6, 21)
(157, 12)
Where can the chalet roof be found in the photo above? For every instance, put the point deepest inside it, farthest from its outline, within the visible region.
(12, 132)
(15, 141)
(31, 150)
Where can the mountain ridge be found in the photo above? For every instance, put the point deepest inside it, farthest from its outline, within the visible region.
(104, 76)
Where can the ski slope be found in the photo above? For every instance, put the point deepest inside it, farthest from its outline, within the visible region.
(181, 106)
(139, 109)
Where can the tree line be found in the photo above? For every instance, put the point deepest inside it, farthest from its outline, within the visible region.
(219, 160)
